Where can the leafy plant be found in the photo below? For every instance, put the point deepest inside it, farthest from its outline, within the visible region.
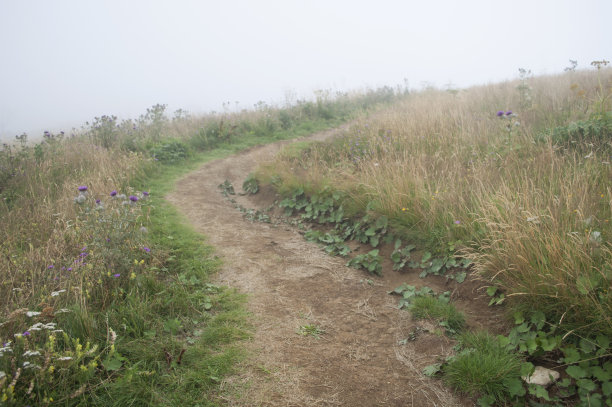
(497, 297)
(368, 261)
(250, 185)
(423, 303)
(227, 188)
(170, 151)
(401, 256)
(332, 243)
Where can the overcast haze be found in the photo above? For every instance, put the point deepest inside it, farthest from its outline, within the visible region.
(64, 62)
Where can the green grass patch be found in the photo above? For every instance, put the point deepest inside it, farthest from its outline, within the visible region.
(483, 368)
(428, 307)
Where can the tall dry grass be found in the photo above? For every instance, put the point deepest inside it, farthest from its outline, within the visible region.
(39, 220)
(534, 213)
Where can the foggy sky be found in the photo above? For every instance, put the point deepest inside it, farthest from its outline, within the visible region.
(62, 62)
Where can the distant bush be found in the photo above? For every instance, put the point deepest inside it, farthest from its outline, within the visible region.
(597, 130)
(170, 151)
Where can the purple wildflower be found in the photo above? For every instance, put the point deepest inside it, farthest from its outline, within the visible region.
(98, 201)
(113, 193)
(83, 188)
(50, 267)
(108, 239)
(26, 333)
(509, 112)
(146, 249)
(457, 222)
(133, 198)
(69, 268)
(145, 193)
(117, 275)
(500, 113)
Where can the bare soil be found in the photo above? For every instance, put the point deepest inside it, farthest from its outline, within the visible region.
(361, 356)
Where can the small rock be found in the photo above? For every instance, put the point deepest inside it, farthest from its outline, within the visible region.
(542, 376)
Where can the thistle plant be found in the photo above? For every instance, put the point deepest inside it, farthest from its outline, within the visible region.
(510, 122)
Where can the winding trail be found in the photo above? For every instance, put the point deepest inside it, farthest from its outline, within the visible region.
(361, 358)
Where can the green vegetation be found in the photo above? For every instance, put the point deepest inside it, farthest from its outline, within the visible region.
(520, 198)
(311, 330)
(424, 304)
(108, 299)
(484, 367)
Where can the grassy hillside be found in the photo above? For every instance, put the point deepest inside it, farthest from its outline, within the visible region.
(514, 177)
(107, 297)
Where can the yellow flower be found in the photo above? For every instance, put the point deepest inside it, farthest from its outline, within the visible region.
(132, 276)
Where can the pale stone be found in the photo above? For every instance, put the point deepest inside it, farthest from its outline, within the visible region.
(542, 376)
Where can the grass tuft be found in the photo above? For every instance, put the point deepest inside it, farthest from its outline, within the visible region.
(483, 368)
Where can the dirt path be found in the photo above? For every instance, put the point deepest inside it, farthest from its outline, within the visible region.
(359, 358)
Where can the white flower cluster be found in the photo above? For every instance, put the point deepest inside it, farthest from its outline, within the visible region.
(51, 326)
(6, 349)
(56, 293)
(28, 365)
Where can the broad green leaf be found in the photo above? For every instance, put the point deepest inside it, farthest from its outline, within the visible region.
(504, 341)
(524, 327)
(436, 266)
(518, 318)
(587, 346)
(576, 372)
(550, 343)
(600, 374)
(538, 319)
(460, 277)
(527, 369)
(603, 341)
(112, 364)
(486, 401)
(515, 387)
(426, 256)
(398, 244)
(432, 370)
(594, 400)
(606, 388)
(381, 222)
(539, 391)
(531, 345)
(374, 241)
(571, 354)
(586, 385)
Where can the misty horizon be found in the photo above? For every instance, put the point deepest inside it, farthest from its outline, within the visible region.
(67, 62)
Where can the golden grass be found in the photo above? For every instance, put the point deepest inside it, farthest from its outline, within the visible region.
(38, 229)
(444, 167)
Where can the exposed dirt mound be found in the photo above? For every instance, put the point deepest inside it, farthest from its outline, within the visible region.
(326, 335)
